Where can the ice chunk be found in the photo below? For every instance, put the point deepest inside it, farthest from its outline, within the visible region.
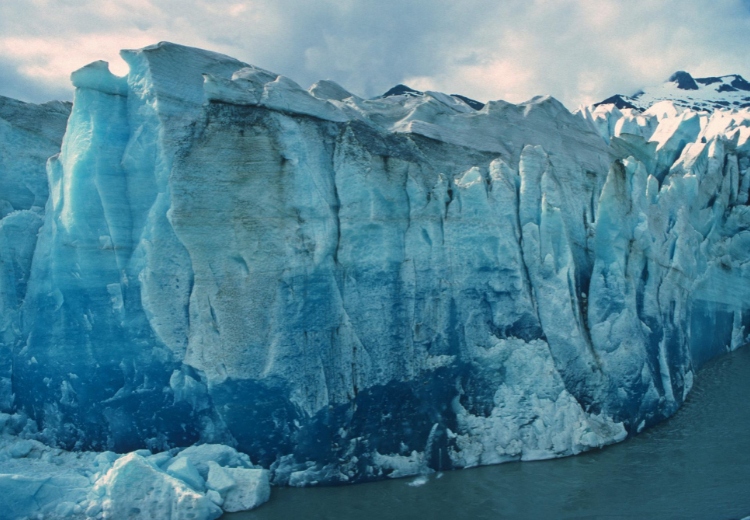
(134, 488)
(201, 455)
(182, 469)
(252, 490)
(240, 488)
(218, 479)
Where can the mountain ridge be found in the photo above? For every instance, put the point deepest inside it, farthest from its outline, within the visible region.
(682, 89)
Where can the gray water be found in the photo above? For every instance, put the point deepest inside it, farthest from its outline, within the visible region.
(695, 465)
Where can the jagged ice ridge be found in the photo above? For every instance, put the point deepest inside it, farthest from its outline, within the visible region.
(345, 289)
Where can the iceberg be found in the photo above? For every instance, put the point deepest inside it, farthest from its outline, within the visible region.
(344, 289)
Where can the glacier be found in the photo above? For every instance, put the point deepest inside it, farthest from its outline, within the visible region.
(341, 289)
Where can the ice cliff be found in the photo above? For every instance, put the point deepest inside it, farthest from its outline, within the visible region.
(346, 289)
(29, 134)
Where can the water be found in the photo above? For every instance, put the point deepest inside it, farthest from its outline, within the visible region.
(695, 465)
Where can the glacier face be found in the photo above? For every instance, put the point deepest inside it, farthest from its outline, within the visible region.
(346, 289)
(29, 134)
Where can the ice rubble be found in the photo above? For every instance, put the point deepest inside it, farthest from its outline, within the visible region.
(39, 481)
(347, 289)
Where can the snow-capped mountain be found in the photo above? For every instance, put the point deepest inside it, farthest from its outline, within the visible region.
(346, 289)
(699, 94)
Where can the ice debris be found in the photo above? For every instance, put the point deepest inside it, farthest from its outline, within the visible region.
(38, 481)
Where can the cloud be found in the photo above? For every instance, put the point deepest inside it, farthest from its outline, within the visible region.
(576, 50)
(17, 84)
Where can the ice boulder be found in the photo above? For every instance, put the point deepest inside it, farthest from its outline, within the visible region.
(240, 488)
(201, 455)
(135, 488)
(182, 469)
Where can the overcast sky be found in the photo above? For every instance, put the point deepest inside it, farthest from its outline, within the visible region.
(579, 51)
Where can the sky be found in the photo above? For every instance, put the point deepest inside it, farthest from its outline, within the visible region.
(579, 51)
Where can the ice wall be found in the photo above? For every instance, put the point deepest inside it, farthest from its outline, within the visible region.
(29, 134)
(347, 289)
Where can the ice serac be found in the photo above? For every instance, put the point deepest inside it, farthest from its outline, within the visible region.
(346, 289)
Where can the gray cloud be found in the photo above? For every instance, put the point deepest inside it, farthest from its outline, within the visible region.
(577, 50)
(17, 85)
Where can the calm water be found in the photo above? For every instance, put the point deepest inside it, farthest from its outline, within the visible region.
(695, 465)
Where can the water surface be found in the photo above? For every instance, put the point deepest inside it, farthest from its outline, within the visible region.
(694, 465)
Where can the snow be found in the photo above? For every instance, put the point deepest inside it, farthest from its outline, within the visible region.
(699, 94)
(231, 267)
